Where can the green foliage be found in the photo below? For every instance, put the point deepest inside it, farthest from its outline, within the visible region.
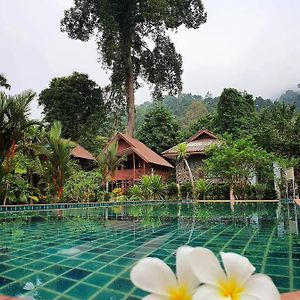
(77, 102)
(235, 161)
(201, 189)
(152, 187)
(14, 119)
(235, 113)
(124, 30)
(135, 192)
(58, 164)
(278, 130)
(195, 111)
(160, 129)
(108, 161)
(82, 186)
(186, 190)
(3, 82)
(291, 98)
(172, 190)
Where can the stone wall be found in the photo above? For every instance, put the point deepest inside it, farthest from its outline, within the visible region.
(182, 173)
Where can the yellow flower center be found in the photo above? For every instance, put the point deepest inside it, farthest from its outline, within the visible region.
(231, 289)
(179, 293)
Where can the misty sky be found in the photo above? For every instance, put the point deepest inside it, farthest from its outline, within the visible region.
(251, 45)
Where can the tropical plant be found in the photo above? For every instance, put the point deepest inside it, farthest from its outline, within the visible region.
(172, 190)
(82, 186)
(14, 119)
(108, 161)
(146, 186)
(135, 192)
(182, 154)
(58, 162)
(157, 187)
(201, 188)
(124, 31)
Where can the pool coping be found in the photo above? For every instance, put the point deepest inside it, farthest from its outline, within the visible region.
(51, 206)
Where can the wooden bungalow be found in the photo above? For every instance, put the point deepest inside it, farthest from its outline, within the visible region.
(138, 160)
(196, 146)
(84, 158)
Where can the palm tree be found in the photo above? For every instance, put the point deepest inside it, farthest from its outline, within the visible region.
(109, 161)
(182, 154)
(58, 162)
(14, 119)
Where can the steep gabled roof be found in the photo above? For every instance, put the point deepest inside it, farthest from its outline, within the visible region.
(203, 133)
(140, 149)
(196, 144)
(80, 152)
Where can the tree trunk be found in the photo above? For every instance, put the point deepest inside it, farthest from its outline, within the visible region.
(232, 200)
(190, 171)
(130, 97)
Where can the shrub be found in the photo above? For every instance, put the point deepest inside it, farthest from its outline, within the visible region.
(218, 192)
(82, 186)
(172, 190)
(186, 190)
(201, 189)
(135, 192)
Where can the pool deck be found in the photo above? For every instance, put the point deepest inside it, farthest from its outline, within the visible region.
(287, 296)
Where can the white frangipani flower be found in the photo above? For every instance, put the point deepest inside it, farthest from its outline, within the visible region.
(156, 277)
(238, 283)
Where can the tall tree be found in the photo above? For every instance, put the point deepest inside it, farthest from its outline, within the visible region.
(160, 129)
(235, 112)
(278, 130)
(74, 100)
(124, 29)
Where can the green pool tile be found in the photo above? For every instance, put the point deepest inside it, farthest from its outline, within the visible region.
(60, 284)
(17, 273)
(122, 285)
(108, 295)
(57, 269)
(111, 269)
(76, 274)
(37, 265)
(108, 252)
(82, 291)
(99, 279)
(92, 265)
(73, 262)
(41, 293)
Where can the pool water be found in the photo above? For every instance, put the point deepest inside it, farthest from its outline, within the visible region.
(88, 253)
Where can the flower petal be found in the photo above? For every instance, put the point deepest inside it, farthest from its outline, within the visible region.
(154, 297)
(262, 287)
(237, 267)
(184, 271)
(208, 292)
(206, 266)
(153, 275)
(248, 297)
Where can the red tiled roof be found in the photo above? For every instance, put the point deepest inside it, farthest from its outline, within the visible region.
(197, 144)
(80, 152)
(141, 149)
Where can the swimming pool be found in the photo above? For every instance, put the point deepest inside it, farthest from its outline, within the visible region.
(88, 253)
